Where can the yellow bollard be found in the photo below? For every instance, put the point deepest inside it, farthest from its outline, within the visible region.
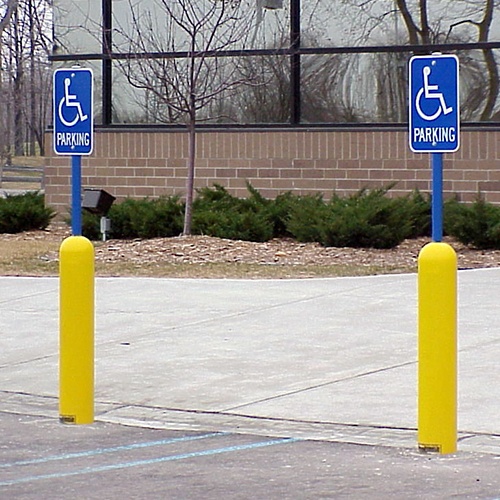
(437, 348)
(76, 336)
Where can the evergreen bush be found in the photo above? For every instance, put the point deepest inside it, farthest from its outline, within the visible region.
(366, 219)
(419, 214)
(147, 218)
(90, 225)
(476, 224)
(24, 212)
(306, 218)
(217, 213)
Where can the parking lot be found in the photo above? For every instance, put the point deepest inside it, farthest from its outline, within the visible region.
(246, 389)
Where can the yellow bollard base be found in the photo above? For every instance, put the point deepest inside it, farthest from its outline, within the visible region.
(437, 448)
(437, 348)
(74, 420)
(76, 337)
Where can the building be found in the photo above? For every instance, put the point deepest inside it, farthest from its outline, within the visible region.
(307, 98)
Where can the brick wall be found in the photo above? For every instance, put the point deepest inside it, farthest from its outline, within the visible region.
(152, 163)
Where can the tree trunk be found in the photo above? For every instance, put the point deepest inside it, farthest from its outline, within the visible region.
(188, 214)
(32, 119)
(489, 59)
(410, 24)
(18, 90)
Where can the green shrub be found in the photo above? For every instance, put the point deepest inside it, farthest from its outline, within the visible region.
(248, 225)
(275, 211)
(90, 225)
(279, 212)
(147, 218)
(306, 218)
(419, 214)
(476, 224)
(24, 212)
(217, 213)
(366, 219)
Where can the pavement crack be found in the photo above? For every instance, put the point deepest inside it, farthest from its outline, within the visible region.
(28, 296)
(318, 386)
(27, 361)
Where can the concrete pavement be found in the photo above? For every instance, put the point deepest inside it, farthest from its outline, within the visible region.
(316, 358)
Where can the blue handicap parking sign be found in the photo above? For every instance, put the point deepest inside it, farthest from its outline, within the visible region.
(434, 104)
(73, 111)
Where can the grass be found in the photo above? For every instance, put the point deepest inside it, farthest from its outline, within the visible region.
(28, 161)
(28, 258)
(239, 270)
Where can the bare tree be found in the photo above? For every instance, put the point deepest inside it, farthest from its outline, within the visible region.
(483, 27)
(185, 87)
(25, 79)
(437, 22)
(421, 33)
(7, 9)
(324, 89)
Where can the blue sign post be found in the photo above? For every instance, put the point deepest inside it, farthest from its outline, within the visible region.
(434, 128)
(434, 119)
(74, 128)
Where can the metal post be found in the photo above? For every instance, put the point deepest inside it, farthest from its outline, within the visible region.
(295, 96)
(437, 197)
(107, 68)
(76, 195)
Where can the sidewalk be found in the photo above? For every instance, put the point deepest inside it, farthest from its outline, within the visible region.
(331, 359)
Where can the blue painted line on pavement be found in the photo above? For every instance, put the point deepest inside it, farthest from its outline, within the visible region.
(152, 461)
(114, 449)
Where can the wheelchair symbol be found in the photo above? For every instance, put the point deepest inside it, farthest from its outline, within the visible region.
(428, 91)
(70, 109)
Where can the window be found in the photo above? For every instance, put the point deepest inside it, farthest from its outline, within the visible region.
(275, 62)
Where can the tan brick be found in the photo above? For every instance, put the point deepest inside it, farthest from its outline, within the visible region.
(268, 173)
(247, 172)
(134, 181)
(177, 182)
(176, 163)
(349, 184)
(280, 163)
(489, 186)
(289, 173)
(379, 174)
(164, 172)
(154, 181)
(238, 184)
(335, 173)
(466, 186)
(322, 145)
(313, 173)
(281, 184)
(493, 197)
(476, 175)
(205, 172)
(403, 174)
(155, 162)
(224, 172)
(181, 172)
(217, 163)
(124, 171)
